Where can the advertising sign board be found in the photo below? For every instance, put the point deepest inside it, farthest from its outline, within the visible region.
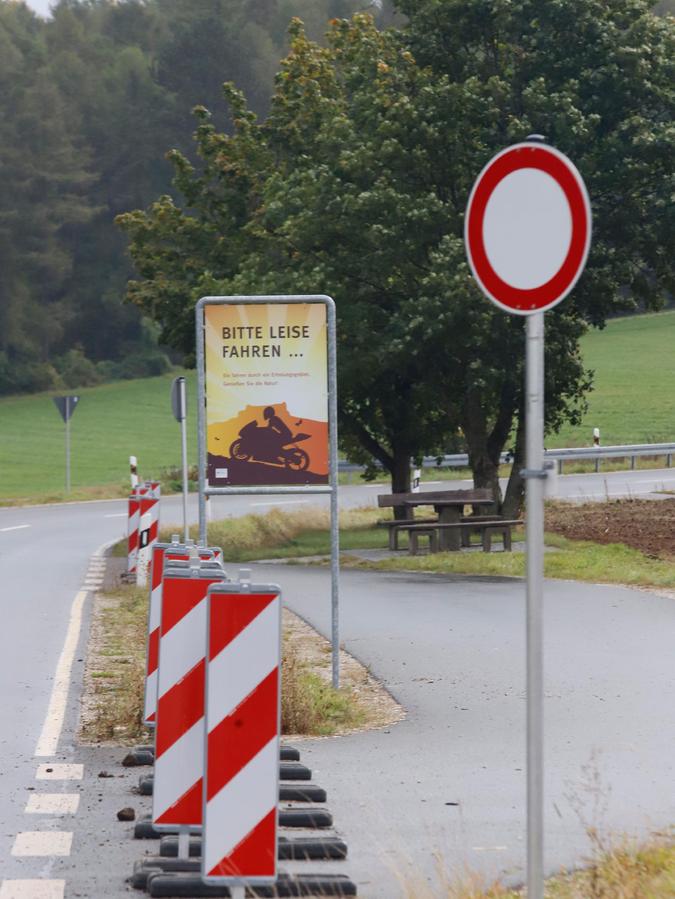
(266, 368)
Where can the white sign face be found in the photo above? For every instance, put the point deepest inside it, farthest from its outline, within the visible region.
(528, 228)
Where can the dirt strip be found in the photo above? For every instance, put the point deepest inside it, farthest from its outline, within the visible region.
(645, 525)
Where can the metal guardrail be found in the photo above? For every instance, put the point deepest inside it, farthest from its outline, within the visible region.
(583, 453)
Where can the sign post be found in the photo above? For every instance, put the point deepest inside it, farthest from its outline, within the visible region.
(66, 406)
(267, 406)
(527, 232)
(179, 408)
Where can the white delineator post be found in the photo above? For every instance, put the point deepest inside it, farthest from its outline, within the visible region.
(179, 719)
(133, 472)
(133, 520)
(243, 688)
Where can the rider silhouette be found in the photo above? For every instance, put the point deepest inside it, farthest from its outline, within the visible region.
(279, 432)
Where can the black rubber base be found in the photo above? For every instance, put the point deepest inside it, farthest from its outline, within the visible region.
(145, 785)
(286, 754)
(289, 849)
(294, 771)
(287, 771)
(304, 793)
(294, 817)
(289, 754)
(190, 885)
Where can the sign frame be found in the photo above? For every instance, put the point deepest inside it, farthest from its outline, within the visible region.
(331, 488)
(529, 154)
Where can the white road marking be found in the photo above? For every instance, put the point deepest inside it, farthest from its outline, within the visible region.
(53, 724)
(60, 771)
(282, 502)
(32, 889)
(52, 804)
(16, 527)
(42, 842)
(117, 515)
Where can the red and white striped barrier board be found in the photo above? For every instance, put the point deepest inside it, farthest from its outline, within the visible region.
(133, 519)
(161, 553)
(148, 534)
(243, 681)
(179, 718)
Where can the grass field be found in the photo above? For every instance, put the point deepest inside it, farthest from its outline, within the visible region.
(110, 423)
(633, 402)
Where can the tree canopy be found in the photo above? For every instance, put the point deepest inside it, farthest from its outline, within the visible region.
(356, 185)
(90, 101)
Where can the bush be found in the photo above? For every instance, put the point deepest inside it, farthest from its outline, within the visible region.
(76, 370)
(26, 376)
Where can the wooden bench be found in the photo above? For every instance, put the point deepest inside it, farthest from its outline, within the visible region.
(488, 529)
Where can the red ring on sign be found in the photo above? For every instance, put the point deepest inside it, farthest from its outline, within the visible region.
(553, 289)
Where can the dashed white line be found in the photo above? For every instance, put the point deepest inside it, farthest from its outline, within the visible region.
(42, 842)
(56, 711)
(117, 515)
(60, 771)
(32, 889)
(52, 804)
(16, 527)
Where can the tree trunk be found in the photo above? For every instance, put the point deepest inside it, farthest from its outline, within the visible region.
(400, 479)
(515, 490)
(486, 474)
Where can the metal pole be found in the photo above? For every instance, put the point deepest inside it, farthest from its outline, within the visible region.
(535, 577)
(334, 508)
(201, 440)
(67, 444)
(183, 435)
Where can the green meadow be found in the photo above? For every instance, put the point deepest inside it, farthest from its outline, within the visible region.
(111, 422)
(633, 402)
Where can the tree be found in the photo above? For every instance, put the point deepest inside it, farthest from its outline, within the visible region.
(44, 180)
(356, 185)
(596, 78)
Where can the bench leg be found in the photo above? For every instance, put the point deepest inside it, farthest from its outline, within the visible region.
(433, 541)
(507, 539)
(413, 543)
(393, 538)
(466, 535)
(487, 540)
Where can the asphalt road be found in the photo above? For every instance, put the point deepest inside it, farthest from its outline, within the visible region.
(45, 554)
(450, 778)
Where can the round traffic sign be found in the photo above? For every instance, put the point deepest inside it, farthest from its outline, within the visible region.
(527, 228)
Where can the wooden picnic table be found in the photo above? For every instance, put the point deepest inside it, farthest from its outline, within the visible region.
(448, 505)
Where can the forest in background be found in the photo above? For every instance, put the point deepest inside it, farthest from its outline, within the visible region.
(90, 101)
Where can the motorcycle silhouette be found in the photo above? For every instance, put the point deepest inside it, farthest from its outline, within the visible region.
(260, 445)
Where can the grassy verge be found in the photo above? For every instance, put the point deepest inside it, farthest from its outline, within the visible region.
(627, 870)
(573, 560)
(288, 535)
(114, 682)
